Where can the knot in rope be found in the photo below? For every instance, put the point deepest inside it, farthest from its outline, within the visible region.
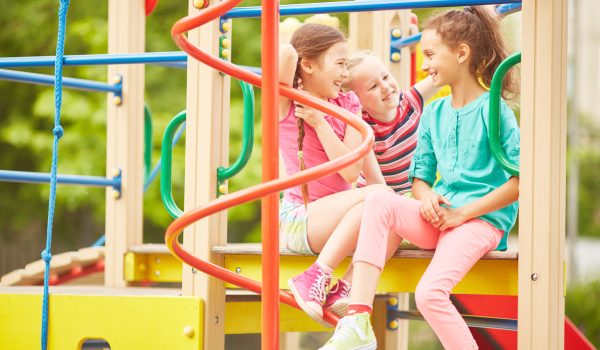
(58, 131)
(46, 256)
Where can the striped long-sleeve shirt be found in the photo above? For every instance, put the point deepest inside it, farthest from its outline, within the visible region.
(396, 141)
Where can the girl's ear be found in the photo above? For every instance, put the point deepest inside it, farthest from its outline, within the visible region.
(463, 52)
(306, 65)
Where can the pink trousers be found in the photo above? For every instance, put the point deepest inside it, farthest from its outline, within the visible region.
(456, 251)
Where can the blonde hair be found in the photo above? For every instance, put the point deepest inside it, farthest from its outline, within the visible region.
(354, 60)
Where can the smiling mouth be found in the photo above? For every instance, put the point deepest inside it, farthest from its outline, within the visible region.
(389, 96)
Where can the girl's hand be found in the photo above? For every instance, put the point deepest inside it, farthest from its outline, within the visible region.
(310, 115)
(430, 207)
(451, 217)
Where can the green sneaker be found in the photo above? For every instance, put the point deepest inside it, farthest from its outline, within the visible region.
(353, 332)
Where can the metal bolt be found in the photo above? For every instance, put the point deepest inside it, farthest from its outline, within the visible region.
(117, 79)
(157, 260)
(142, 267)
(226, 43)
(396, 57)
(396, 33)
(194, 271)
(157, 273)
(117, 100)
(188, 331)
(199, 4)
(238, 270)
(534, 276)
(216, 319)
(226, 26)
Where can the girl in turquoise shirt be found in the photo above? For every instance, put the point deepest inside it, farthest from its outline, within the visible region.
(470, 210)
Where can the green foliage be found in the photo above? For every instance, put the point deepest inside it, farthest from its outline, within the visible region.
(589, 190)
(582, 305)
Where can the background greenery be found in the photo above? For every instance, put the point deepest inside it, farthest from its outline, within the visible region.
(26, 122)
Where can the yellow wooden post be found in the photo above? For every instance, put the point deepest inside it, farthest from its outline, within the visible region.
(542, 182)
(207, 130)
(125, 136)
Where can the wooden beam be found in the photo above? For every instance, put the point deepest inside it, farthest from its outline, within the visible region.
(207, 139)
(542, 182)
(125, 135)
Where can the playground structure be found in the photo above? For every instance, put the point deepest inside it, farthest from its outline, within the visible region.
(204, 309)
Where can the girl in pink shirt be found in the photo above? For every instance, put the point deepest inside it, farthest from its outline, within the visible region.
(324, 215)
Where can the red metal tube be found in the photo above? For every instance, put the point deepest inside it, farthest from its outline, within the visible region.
(270, 171)
(270, 187)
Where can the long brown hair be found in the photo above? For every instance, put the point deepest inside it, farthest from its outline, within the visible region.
(479, 28)
(310, 41)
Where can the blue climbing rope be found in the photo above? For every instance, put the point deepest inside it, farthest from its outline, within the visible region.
(58, 133)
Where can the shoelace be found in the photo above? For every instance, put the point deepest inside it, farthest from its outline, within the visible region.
(345, 290)
(318, 288)
(346, 327)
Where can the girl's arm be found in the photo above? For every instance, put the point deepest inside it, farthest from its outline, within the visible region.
(499, 198)
(430, 201)
(426, 89)
(371, 170)
(332, 144)
(335, 148)
(288, 60)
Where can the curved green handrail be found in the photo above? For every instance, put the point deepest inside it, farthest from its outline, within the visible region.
(166, 190)
(147, 142)
(247, 136)
(494, 116)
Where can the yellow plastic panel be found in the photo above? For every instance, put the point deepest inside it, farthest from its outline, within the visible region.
(154, 267)
(244, 317)
(488, 277)
(126, 322)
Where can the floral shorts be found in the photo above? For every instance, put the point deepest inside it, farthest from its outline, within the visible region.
(292, 227)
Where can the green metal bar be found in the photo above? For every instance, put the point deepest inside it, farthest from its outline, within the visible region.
(247, 136)
(166, 188)
(494, 121)
(147, 142)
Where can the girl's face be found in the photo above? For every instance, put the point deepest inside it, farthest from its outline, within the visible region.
(439, 61)
(328, 71)
(375, 87)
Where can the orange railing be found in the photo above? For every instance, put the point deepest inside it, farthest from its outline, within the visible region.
(271, 186)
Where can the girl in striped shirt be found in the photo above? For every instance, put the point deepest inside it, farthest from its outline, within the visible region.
(393, 114)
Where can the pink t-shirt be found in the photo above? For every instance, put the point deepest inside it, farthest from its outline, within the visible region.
(313, 152)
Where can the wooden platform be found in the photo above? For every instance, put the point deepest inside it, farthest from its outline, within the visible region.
(33, 273)
(405, 251)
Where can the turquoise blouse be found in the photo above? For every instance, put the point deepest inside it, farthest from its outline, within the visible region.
(455, 143)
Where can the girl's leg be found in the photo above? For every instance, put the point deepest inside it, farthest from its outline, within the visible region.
(385, 214)
(339, 212)
(334, 220)
(457, 251)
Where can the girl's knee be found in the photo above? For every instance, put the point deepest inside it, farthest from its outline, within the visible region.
(375, 200)
(427, 297)
(378, 188)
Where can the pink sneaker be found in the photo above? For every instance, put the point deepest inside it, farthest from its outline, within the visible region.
(309, 289)
(338, 298)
